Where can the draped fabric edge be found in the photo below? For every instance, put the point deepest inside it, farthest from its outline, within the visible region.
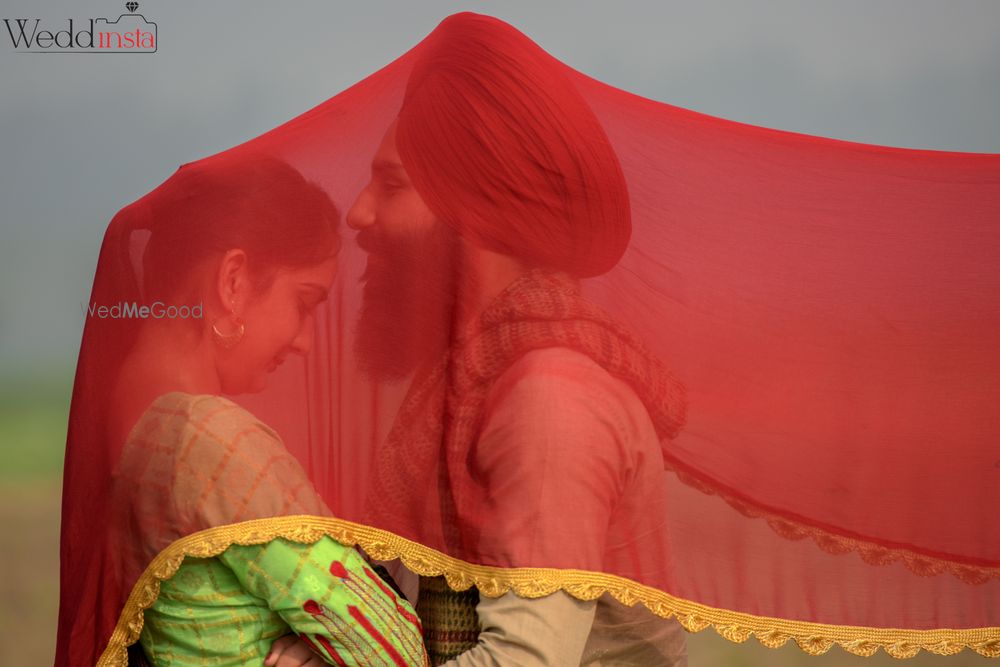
(836, 541)
(667, 405)
(812, 638)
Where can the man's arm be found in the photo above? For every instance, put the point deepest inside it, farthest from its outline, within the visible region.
(551, 456)
(549, 631)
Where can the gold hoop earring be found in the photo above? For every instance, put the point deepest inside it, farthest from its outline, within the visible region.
(229, 340)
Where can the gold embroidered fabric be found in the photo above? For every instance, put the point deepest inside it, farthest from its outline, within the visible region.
(813, 638)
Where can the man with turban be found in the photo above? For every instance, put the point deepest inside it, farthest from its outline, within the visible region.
(530, 435)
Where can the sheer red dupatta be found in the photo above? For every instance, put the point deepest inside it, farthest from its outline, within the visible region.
(811, 326)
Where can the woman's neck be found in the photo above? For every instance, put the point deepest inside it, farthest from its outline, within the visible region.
(176, 357)
(166, 357)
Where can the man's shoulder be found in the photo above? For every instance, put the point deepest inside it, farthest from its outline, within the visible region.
(556, 359)
(554, 378)
(559, 407)
(564, 368)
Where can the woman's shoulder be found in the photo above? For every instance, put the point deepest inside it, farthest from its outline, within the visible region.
(200, 406)
(182, 430)
(179, 430)
(226, 465)
(207, 414)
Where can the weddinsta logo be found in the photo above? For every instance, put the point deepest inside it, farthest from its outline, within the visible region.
(129, 33)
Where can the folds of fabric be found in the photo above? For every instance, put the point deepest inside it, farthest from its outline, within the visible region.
(748, 377)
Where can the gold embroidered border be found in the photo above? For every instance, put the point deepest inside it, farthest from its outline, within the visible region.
(813, 638)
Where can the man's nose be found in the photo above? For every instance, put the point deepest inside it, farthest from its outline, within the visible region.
(362, 214)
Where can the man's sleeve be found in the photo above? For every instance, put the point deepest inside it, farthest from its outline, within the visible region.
(549, 631)
(551, 455)
(553, 458)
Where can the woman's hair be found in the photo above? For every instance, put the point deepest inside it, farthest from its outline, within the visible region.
(257, 203)
(501, 146)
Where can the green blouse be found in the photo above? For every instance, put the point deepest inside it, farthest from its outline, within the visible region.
(228, 610)
(195, 462)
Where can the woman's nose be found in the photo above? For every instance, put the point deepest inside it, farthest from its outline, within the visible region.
(362, 214)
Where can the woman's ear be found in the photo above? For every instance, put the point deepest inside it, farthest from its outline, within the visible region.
(232, 282)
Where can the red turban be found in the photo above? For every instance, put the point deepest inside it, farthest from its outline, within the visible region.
(502, 146)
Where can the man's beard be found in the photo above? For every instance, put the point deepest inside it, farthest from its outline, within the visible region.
(410, 289)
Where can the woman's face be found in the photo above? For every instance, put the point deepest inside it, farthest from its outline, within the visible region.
(278, 322)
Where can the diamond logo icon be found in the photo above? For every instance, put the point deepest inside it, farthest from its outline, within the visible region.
(131, 6)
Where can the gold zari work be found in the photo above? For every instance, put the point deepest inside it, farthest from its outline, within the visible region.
(813, 638)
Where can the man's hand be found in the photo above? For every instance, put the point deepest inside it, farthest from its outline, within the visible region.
(290, 651)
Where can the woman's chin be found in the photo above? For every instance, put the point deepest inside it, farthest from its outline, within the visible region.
(252, 385)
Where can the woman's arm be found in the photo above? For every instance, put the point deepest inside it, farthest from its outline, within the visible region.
(330, 598)
(236, 469)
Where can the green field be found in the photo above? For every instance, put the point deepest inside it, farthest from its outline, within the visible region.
(33, 414)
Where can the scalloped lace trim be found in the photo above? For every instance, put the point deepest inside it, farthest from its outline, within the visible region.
(813, 638)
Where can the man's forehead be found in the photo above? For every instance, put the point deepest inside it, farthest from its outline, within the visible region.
(387, 152)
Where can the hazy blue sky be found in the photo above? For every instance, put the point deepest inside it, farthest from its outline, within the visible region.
(83, 135)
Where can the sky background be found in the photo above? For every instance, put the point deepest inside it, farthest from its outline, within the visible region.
(83, 135)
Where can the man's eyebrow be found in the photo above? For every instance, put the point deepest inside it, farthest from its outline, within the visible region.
(387, 166)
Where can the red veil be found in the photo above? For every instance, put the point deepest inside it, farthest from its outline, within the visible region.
(810, 327)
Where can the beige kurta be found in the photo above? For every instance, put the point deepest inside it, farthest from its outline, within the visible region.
(558, 411)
